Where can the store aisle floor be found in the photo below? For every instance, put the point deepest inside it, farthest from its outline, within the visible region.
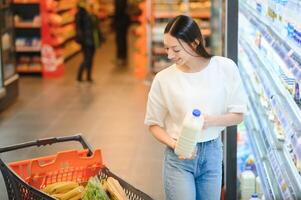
(109, 113)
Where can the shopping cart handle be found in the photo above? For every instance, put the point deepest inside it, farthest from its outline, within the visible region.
(49, 141)
(46, 141)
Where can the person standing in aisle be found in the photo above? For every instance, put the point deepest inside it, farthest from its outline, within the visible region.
(121, 24)
(88, 36)
(196, 80)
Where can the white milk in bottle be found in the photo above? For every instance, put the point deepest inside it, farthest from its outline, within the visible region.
(247, 183)
(191, 130)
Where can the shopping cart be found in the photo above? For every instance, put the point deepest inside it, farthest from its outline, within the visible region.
(19, 180)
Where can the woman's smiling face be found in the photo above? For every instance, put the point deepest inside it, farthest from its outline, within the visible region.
(178, 52)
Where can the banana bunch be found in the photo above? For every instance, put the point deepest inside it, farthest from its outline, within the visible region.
(68, 190)
(114, 189)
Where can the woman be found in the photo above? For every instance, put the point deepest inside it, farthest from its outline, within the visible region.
(196, 80)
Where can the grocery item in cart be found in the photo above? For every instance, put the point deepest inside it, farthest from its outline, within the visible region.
(94, 190)
(114, 189)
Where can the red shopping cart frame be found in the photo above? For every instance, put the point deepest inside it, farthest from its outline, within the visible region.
(70, 165)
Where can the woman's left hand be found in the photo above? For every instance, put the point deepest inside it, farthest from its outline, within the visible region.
(193, 156)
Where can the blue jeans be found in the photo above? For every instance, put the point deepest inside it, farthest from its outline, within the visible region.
(198, 179)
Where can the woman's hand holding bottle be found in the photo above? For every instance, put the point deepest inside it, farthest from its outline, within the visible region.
(183, 157)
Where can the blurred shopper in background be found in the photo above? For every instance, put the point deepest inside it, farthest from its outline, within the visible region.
(121, 24)
(88, 35)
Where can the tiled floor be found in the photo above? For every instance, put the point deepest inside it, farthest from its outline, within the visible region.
(109, 113)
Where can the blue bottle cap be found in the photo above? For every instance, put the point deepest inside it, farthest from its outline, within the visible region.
(196, 112)
(254, 195)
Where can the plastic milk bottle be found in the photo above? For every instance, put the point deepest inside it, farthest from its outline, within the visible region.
(247, 183)
(191, 130)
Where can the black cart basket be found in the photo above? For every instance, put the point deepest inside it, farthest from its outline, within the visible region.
(20, 189)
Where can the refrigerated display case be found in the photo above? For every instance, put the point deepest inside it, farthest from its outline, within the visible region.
(269, 59)
(9, 78)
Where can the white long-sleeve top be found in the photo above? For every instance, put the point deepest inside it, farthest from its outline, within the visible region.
(215, 90)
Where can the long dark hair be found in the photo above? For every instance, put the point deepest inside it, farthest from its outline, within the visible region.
(186, 29)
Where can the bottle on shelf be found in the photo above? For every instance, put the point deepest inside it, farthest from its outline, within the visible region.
(191, 130)
(247, 183)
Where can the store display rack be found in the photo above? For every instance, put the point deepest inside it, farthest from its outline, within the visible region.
(7, 35)
(283, 46)
(288, 179)
(269, 61)
(140, 56)
(45, 33)
(27, 25)
(263, 167)
(268, 149)
(162, 12)
(8, 76)
(287, 109)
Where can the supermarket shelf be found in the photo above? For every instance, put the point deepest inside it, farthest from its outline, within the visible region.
(64, 8)
(9, 77)
(293, 172)
(275, 170)
(61, 41)
(269, 138)
(27, 25)
(64, 22)
(263, 167)
(203, 14)
(71, 54)
(166, 14)
(288, 43)
(287, 110)
(287, 178)
(285, 182)
(28, 49)
(285, 48)
(28, 70)
(25, 2)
